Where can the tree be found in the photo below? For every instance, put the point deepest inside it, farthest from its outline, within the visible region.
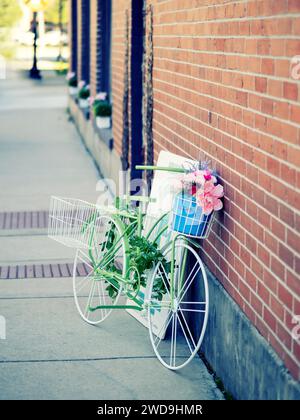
(10, 13)
(52, 12)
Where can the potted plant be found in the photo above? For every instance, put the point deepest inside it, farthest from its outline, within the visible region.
(83, 95)
(102, 112)
(72, 83)
(199, 198)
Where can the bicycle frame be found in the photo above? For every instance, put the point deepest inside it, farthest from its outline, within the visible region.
(115, 279)
(136, 226)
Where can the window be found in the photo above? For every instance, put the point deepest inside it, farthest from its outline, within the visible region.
(104, 47)
(137, 46)
(74, 36)
(85, 40)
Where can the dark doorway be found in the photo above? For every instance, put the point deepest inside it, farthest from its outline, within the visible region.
(137, 47)
(85, 40)
(104, 47)
(74, 36)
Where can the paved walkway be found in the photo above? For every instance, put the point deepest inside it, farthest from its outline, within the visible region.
(49, 352)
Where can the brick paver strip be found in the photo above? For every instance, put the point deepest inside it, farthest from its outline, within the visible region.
(41, 271)
(24, 220)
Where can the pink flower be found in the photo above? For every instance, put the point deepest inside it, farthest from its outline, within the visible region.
(101, 96)
(70, 75)
(209, 197)
(81, 84)
(91, 100)
(199, 177)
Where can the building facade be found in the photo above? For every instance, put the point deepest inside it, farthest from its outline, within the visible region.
(219, 77)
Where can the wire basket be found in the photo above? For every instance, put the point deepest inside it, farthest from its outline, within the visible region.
(188, 218)
(71, 221)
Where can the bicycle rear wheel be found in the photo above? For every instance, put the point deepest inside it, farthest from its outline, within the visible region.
(107, 252)
(178, 318)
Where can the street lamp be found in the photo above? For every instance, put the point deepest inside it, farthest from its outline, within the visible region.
(60, 24)
(35, 6)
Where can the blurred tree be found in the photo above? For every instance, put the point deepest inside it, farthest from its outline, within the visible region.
(53, 10)
(10, 13)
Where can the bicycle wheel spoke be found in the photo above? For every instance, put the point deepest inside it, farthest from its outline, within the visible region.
(154, 303)
(181, 345)
(193, 310)
(83, 282)
(100, 295)
(87, 311)
(162, 277)
(102, 233)
(184, 333)
(165, 325)
(173, 340)
(187, 288)
(188, 330)
(86, 262)
(187, 280)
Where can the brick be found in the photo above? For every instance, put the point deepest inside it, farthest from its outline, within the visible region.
(4, 272)
(47, 271)
(12, 272)
(269, 319)
(64, 270)
(286, 255)
(277, 268)
(285, 296)
(38, 271)
(293, 282)
(295, 113)
(290, 91)
(29, 271)
(55, 270)
(21, 272)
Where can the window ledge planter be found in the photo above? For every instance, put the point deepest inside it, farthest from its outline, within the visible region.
(103, 122)
(83, 103)
(73, 91)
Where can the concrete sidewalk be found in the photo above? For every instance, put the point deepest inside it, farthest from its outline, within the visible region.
(49, 352)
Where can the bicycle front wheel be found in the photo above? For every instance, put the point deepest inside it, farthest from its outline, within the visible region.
(94, 292)
(178, 308)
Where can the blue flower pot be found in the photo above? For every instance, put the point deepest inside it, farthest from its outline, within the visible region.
(188, 217)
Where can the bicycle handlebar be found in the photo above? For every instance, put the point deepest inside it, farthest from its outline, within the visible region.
(159, 168)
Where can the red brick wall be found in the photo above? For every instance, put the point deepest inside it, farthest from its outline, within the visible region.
(222, 85)
(119, 8)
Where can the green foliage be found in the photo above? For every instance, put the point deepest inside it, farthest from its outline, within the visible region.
(10, 13)
(102, 109)
(73, 81)
(145, 255)
(84, 93)
(52, 12)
